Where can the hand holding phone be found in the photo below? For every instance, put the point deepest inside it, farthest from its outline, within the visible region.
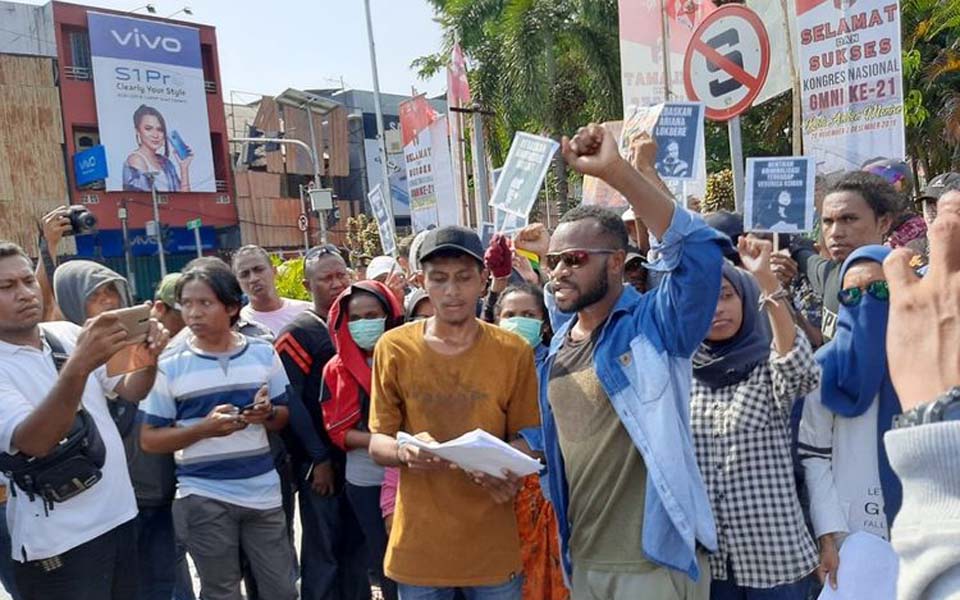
(260, 410)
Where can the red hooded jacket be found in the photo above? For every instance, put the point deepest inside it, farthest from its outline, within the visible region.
(347, 374)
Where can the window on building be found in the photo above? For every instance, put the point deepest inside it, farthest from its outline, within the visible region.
(79, 41)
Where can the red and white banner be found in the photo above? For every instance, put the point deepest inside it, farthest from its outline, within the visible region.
(429, 172)
(851, 80)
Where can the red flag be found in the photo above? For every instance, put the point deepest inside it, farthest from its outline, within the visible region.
(416, 114)
(458, 88)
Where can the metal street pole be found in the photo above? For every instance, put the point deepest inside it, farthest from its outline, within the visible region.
(156, 220)
(381, 138)
(736, 161)
(321, 214)
(481, 181)
(306, 232)
(665, 39)
(196, 239)
(131, 278)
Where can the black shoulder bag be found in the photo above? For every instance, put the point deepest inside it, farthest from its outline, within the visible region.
(72, 466)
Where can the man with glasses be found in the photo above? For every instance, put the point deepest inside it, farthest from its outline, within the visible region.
(257, 277)
(332, 564)
(631, 505)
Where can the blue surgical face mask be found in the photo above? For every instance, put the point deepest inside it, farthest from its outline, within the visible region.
(366, 332)
(527, 328)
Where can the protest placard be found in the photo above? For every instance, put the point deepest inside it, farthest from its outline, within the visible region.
(779, 194)
(679, 135)
(378, 204)
(522, 175)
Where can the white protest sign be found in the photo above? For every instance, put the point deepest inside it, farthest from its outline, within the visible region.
(779, 194)
(378, 204)
(522, 175)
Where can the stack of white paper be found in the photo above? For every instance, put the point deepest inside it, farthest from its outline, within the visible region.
(478, 451)
(868, 570)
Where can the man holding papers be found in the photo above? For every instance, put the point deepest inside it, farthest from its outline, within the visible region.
(439, 379)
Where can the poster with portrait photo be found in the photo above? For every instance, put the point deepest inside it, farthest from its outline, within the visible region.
(151, 105)
(679, 136)
(779, 194)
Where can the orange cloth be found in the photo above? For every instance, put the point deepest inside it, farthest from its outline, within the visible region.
(539, 546)
(448, 531)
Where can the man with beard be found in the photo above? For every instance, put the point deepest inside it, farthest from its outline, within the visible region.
(631, 504)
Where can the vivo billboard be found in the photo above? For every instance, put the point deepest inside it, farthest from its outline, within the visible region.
(151, 105)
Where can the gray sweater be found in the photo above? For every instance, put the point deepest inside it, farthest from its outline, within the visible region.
(926, 532)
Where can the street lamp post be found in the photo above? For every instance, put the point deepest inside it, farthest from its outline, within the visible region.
(152, 175)
(381, 137)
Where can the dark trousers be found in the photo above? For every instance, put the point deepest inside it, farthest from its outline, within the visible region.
(105, 568)
(6, 560)
(156, 552)
(365, 502)
(333, 560)
(729, 590)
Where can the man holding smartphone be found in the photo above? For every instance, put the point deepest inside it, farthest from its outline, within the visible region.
(215, 399)
(84, 546)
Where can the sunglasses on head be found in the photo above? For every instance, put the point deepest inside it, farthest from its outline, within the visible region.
(573, 258)
(318, 251)
(852, 296)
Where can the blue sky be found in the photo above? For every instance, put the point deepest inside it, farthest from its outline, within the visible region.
(266, 47)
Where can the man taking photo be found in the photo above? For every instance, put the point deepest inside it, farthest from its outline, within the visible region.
(77, 540)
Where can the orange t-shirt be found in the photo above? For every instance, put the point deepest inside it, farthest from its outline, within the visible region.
(448, 531)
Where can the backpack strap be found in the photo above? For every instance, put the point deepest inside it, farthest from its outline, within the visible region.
(60, 355)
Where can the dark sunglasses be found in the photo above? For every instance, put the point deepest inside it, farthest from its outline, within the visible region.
(852, 296)
(574, 259)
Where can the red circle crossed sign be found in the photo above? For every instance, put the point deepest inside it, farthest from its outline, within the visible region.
(727, 62)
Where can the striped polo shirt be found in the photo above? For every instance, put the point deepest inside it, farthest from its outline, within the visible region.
(236, 468)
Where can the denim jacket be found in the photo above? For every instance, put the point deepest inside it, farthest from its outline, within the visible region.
(642, 359)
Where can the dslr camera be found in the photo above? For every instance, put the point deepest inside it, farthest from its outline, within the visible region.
(82, 221)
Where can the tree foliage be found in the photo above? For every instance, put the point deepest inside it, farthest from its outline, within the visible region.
(550, 66)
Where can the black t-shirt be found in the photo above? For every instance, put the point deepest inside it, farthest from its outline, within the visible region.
(824, 277)
(305, 348)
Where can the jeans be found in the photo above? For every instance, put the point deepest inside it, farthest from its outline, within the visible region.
(216, 531)
(729, 590)
(105, 568)
(510, 590)
(156, 552)
(6, 561)
(365, 501)
(333, 559)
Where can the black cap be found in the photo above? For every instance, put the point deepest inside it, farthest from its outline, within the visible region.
(452, 237)
(938, 185)
(730, 224)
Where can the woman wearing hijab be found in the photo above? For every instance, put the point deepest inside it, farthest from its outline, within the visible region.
(742, 395)
(852, 487)
(358, 318)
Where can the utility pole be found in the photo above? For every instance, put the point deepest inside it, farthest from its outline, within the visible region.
(131, 277)
(377, 108)
(156, 220)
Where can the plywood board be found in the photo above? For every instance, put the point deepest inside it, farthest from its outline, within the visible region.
(266, 219)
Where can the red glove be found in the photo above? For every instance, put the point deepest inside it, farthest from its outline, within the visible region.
(499, 256)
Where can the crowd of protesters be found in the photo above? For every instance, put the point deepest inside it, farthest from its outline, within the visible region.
(719, 414)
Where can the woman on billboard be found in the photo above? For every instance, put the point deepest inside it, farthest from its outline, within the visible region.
(152, 156)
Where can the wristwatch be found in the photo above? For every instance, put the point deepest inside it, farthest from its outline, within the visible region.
(944, 408)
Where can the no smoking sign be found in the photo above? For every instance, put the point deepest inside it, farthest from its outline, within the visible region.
(727, 62)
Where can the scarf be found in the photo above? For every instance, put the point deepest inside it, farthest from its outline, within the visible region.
(855, 371)
(721, 364)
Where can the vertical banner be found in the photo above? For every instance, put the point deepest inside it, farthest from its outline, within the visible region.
(852, 82)
(388, 239)
(779, 195)
(522, 175)
(151, 104)
(429, 174)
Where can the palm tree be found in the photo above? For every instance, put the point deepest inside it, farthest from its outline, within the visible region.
(931, 76)
(544, 66)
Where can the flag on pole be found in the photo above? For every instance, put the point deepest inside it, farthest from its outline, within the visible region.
(458, 88)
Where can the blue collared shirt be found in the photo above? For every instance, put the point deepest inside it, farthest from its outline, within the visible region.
(642, 360)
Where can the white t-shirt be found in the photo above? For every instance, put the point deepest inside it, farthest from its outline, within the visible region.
(275, 320)
(26, 377)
